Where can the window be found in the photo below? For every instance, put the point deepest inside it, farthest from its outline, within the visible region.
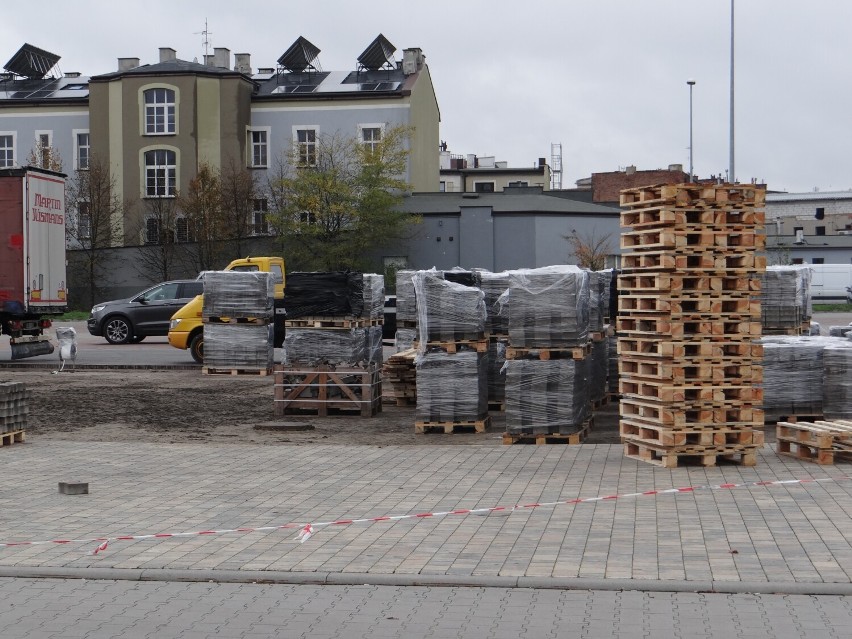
(519, 183)
(371, 136)
(159, 111)
(305, 140)
(183, 230)
(7, 150)
(797, 260)
(84, 221)
(442, 187)
(820, 213)
(82, 150)
(152, 230)
(259, 147)
(483, 187)
(819, 230)
(43, 149)
(160, 173)
(162, 292)
(258, 223)
(796, 229)
(818, 260)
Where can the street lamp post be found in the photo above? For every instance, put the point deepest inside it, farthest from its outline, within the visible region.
(732, 177)
(691, 84)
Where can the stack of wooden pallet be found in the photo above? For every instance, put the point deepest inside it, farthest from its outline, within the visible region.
(823, 442)
(689, 310)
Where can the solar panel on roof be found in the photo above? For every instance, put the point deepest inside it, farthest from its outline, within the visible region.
(32, 62)
(378, 54)
(299, 56)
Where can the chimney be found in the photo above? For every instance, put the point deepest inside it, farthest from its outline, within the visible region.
(167, 54)
(412, 61)
(222, 58)
(676, 167)
(542, 161)
(208, 60)
(72, 74)
(630, 170)
(125, 64)
(242, 63)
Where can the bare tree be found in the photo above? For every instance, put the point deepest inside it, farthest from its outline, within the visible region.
(203, 222)
(239, 191)
(589, 250)
(45, 156)
(159, 256)
(95, 223)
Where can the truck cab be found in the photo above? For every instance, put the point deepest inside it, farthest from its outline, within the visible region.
(186, 329)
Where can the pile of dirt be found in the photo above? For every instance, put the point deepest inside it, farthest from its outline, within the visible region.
(183, 406)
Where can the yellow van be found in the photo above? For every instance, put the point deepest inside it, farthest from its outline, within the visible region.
(186, 329)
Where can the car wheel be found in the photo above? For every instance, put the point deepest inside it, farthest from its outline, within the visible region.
(117, 330)
(136, 339)
(196, 348)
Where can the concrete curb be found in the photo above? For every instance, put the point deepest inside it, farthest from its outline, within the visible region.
(471, 581)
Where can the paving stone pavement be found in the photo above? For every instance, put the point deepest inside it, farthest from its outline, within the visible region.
(68, 609)
(797, 537)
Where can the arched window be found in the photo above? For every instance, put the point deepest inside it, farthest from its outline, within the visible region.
(159, 112)
(160, 173)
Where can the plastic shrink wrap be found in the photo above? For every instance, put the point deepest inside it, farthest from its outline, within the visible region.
(315, 346)
(238, 294)
(496, 378)
(546, 396)
(598, 369)
(451, 387)
(785, 296)
(793, 375)
(404, 338)
(325, 294)
(406, 308)
(493, 285)
(446, 310)
(238, 345)
(837, 375)
(374, 296)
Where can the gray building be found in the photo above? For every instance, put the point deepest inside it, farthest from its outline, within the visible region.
(809, 228)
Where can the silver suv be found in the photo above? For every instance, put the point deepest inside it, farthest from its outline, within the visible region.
(131, 320)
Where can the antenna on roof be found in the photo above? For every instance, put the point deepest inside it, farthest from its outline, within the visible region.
(205, 41)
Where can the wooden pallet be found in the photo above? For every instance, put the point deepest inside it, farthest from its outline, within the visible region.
(261, 371)
(676, 306)
(775, 418)
(684, 218)
(695, 351)
(665, 391)
(496, 407)
(732, 328)
(448, 428)
(686, 416)
(734, 262)
(715, 371)
(678, 285)
(333, 322)
(544, 354)
(235, 320)
(12, 437)
(714, 196)
(541, 439)
(668, 458)
(652, 434)
(698, 239)
(400, 372)
(480, 345)
(326, 390)
(822, 442)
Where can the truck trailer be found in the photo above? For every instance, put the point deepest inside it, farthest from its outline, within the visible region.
(33, 283)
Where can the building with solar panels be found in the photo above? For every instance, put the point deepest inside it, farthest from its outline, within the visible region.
(155, 124)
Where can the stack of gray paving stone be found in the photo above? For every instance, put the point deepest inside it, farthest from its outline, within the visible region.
(598, 370)
(785, 299)
(496, 378)
(446, 310)
(14, 407)
(374, 345)
(374, 296)
(406, 305)
(793, 382)
(493, 285)
(839, 331)
(315, 346)
(547, 307)
(451, 387)
(837, 380)
(237, 312)
(546, 397)
(612, 373)
(599, 285)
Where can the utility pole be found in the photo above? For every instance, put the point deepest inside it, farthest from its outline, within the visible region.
(691, 84)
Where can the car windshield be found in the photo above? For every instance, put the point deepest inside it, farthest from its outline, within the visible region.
(162, 292)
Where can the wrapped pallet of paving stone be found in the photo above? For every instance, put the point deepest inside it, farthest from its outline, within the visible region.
(374, 345)
(546, 396)
(599, 284)
(837, 381)
(785, 297)
(374, 296)
(14, 406)
(612, 358)
(493, 285)
(238, 294)
(451, 387)
(238, 346)
(404, 338)
(447, 311)
(496, 378)
(598, 370)
(406, 306)
(793, 375)
(547, 307)
(839, 331)
(317, 346)
(325, 294)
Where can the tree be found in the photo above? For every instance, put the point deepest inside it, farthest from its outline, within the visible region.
(159, 257)
(203, 221)
(45, 156)
(338, 201)
(589, 250)
(239, 191)
(95, 223)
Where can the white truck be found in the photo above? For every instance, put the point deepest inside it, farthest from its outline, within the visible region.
(33, 282)
(831, 282)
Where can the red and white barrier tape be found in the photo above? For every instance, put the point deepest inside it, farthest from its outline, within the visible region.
(308, 530)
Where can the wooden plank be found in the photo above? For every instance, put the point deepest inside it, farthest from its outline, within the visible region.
(665, 391)
(697, 436)
(697, 350)
(715, 371)
(214, 370)
(670, 459)
(687, 416)
(448, 428)
(576, 352)
(12, 437)
(685, 218)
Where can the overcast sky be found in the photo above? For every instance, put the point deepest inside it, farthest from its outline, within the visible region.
(606, 79)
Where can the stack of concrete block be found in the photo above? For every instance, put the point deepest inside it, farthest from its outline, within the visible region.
(14, 409)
